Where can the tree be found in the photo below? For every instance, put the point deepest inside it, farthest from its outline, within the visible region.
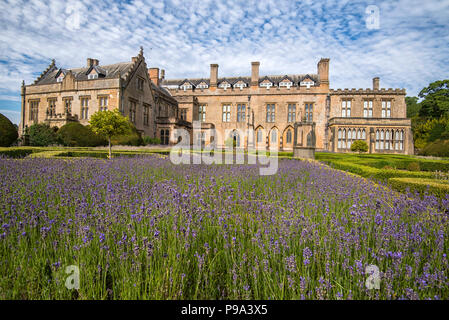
(109, 124)
(359, 146)
(435, 99)
(42, 135)
(413, 106)
(8, 132)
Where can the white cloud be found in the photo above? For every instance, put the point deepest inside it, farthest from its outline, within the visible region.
(409, 50)
(13, 116)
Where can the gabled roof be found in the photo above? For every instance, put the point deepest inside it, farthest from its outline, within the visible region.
(247, 81)
(188, 81)
(286, 77)
(265, 79)
(98, 69)
(307, 76)
(197, 82)
(224, 80)
(116, 70)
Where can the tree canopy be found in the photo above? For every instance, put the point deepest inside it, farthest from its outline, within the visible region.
(8, 132)
(435, 101)
(109, 123)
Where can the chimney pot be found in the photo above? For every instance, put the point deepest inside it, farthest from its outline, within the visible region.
(89, 62)
(162, 74)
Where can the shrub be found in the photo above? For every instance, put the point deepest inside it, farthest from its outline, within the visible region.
(74, 134)
(438, 148)
(413, 166)
(359, 146)
(42, 135)
(16, 152)
(438, 188)
(132, 138)
(148, 140)
(8, 132)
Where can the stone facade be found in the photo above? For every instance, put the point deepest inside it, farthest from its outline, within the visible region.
(273, 104)
(60, 95)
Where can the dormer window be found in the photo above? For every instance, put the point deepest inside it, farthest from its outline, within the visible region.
(224, 85)
(202, 85)
(240, 85)
(286, 84)
(93, 76)
(186, 86)
(307, 83)
(140, 83)
(267, 85)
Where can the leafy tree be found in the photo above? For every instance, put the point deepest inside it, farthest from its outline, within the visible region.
(109, 124)
(435, 99)
(42, 135)
(359, 146)
(8, 132)
(413, 106)
(74, 134)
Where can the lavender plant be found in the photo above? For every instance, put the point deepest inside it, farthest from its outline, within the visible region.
(143, 228)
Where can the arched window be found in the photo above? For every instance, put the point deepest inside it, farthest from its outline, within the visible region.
(382, 136)
(363, 134)
(377, 139)
(339, 139)
(343, 142)
(359, 134)
(259, 136)
(349, 138)
(387, 140)
(401, 143)
(289, 136)
(274, 136)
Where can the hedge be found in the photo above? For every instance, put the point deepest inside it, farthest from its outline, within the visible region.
(381, 174)
(436, 187)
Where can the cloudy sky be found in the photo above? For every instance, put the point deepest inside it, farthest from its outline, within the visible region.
(407, 46)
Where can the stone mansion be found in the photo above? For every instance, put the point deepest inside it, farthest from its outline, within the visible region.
(271, 106)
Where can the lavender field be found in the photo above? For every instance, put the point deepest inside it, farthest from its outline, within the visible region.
(143, 228)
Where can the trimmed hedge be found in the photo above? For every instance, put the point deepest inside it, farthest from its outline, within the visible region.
(438, 148)
(16, 153)
(436, 187)
(381, 174)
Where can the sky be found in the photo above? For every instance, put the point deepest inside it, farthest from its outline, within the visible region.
(404, 42)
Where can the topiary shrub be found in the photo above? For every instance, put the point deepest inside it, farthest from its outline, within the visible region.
(413, 166)
(359, 146)
(42, 135)
(131, 138)
(8, 132)
(74, 134)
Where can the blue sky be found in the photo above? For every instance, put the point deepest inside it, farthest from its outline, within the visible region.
(409, 49)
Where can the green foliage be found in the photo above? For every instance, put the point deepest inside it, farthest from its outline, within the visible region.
(74, 134)
(426, 131)
(435, 99)
(359, 146)
(413, 106)
(109, 123)
(438, 148)
(148, 140)
(42, 135)
(436, 187)
(413, 166)
(8, 132)
(130, 138)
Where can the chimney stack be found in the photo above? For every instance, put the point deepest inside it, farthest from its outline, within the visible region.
(323, 70)
(213, 75)
(162, 75)
(255, 73)
(376, 83)
(154, 75)
(92, 62)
